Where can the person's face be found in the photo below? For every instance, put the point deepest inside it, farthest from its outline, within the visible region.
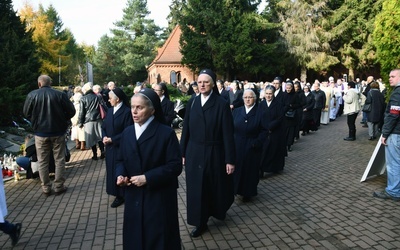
(276, 84)
(394, 78)
(316, 86)
(249, 99)
(296, 87)
(113, 99)
(269, 95)
(306, 89)
(289, 88)
(195, 89)
(158, 90)
(205, 84)
(140, 111)
(111, 86)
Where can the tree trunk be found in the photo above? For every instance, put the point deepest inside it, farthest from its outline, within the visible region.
(351, 74)
(303, 74)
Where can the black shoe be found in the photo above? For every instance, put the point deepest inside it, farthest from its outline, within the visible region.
(246, 199)
(289, 148)
(197, 231)
(94, 158)
(117, 202)
(303, 134)
(61, 191)
(364, 125)
(371, 138)
(47, 194)
(349, 139)
(102, 156)
(384, 195)
(16, 234)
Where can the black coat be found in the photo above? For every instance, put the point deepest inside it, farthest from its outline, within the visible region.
(89, 108)
(309, 106)
(274, 148)
(236, 99)
(377, 101)
(320, 99)
(151, 211)
(113, 126)
(293, 102)
(168, 110)
(225, 94)
(281, 97)
(249, 139)
(207, 144)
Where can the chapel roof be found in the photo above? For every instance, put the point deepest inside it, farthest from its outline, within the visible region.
(170, 51)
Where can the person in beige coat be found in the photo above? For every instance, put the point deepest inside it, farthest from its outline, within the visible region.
(351, 109)
(77, 133)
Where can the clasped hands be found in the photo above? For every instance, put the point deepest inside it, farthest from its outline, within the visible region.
(107, 140)
(137, 180)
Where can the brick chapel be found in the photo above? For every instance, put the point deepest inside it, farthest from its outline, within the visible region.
(167, 67)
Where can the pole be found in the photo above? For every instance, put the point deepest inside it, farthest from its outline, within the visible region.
(59, 71)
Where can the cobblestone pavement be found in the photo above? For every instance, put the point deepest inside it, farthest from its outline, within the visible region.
(318, 202)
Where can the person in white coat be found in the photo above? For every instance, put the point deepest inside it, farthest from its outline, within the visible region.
(14, 230)
(351, 109)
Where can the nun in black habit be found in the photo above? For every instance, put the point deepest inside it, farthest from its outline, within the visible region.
(208, 151)
(117, 119)
(249, 138)
(274, 148)
(148, 165)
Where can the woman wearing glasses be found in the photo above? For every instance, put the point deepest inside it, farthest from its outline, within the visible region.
(249, 138)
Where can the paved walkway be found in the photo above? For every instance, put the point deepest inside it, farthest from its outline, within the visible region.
(317, 202)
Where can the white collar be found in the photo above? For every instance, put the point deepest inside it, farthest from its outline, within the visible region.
(140, 129)
(204, 99)
(248, 109)
(119, 105)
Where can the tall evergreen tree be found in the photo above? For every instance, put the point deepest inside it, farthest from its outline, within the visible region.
(353, 25)
(136, 38)
(19, 65)
(228, 36)
(304, 35)
(386, 37)
(70, 54)
(108, 64)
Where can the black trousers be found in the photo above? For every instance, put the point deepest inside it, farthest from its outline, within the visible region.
(351, 123)
(317, 117)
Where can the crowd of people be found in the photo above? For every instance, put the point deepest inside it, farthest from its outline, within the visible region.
(233, 134)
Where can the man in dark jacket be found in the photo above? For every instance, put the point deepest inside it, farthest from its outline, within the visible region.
(50, 112)
(390, 138)
(320, 100)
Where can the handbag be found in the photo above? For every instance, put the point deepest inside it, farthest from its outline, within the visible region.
(103, 112)
(67, 153)
(290, 113)
(367, 107)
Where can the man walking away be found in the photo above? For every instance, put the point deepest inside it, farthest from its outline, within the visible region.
(49, 111)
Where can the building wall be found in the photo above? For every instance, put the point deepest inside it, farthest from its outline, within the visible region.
(164, 70)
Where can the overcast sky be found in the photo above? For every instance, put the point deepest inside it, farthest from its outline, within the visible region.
(89, 20)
